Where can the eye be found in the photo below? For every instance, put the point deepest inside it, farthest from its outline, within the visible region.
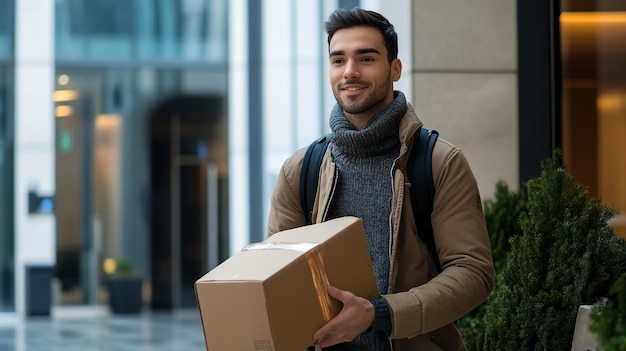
(336, 61)
(367, 59)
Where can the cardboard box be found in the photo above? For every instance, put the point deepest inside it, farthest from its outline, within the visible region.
(265, 297)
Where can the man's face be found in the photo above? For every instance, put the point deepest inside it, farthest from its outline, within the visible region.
(360, 74)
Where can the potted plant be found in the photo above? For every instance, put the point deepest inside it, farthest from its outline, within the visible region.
(608, 318)
(124, 286)
(566, 256)
(502, 218)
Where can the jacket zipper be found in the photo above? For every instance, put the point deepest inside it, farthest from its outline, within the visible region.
(390, 252)
(393, 193)
(332, 194)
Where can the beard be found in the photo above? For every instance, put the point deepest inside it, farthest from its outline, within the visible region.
(373, 102)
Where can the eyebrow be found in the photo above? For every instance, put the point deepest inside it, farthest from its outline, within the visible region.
(358, 52)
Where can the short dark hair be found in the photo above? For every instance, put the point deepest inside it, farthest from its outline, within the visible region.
(344, 18)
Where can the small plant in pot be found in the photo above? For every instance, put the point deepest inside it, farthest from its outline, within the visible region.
(608, 318)
(124, 286)
(565, 257)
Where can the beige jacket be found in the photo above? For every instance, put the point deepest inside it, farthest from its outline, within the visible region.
(424, 304)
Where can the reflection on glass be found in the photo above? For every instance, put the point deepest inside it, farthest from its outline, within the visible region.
(6, 29)
(109, 166)
(7, 257)
(594, 100)
(70, 124)
(188, 30)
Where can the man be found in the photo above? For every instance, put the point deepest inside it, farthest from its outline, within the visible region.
(363, 174)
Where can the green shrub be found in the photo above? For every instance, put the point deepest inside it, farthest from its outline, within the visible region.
(608, 318)
(124, 266)
(502, 217)
(566, 256)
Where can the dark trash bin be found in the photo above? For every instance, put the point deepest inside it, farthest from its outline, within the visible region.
(38, 290)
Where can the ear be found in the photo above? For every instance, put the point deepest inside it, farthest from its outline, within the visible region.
(396, 69)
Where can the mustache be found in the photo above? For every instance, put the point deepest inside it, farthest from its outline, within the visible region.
(350, 82)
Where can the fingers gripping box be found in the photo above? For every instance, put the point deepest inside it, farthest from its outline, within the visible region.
(272, 295)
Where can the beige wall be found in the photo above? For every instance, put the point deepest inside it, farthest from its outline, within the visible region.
(464, 74)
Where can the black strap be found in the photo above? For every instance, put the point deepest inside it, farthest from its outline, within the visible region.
(420, 173)
(309, 175)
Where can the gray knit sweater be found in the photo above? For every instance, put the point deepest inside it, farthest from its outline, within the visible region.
(364, 160)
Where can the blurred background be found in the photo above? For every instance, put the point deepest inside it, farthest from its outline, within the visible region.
(153, 130)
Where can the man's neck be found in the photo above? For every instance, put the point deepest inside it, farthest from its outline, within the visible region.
(360, 120)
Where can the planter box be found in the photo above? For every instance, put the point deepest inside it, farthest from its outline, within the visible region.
(125, 294)
(584, 340)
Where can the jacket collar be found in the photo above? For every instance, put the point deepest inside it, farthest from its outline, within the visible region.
(408, 125)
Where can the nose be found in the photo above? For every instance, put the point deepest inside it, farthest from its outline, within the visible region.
(352, 70)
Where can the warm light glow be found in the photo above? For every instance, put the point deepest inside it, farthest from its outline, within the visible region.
(64, 111)
(109, 265)
(63, 79)
(107, 121)
(593, 17)
(610, 101)
(65, 95)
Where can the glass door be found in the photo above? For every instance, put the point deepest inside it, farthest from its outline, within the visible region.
(593, 52)
(186, 191)
(88, 182)
(73, 184)
(195, 218)
(7, 233)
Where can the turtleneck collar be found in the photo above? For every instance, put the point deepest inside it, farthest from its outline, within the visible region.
(379, 136)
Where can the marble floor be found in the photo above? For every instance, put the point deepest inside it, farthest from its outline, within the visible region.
(100, 331)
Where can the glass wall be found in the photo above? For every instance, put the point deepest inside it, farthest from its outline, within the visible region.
(124, 190)
(6, 30)
(141, 144)
(593, 50)
(90, 110)
(180, 30)
(7, 256)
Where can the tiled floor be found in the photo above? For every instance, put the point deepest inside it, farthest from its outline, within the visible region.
(150, 331)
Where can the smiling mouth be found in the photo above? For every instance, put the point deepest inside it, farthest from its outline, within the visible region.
(353, 85)
(353, 89)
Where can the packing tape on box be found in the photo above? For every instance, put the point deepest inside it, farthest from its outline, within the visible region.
(315, 260)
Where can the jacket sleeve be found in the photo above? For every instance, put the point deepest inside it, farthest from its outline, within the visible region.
(285, 210)
(462, 242)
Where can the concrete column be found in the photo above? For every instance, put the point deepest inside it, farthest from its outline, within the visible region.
(465, 81)
(399, 13)
(35, 239)
(238, 125)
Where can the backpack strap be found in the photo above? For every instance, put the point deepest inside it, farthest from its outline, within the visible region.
(309, 175)
(420, 173)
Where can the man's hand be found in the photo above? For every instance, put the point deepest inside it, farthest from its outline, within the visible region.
(354, 318)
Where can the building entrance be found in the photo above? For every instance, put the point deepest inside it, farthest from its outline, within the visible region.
(187, 190)
(594, 99)
(141, 169)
